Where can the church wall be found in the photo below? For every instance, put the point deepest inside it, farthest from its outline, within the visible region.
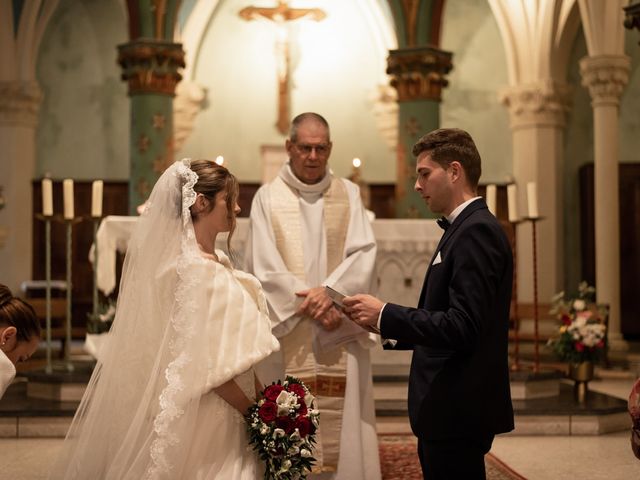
(84, 119)
(337, 65)
(479, 71)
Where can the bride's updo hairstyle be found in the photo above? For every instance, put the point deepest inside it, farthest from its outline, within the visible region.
(212, 179)
(16, 313)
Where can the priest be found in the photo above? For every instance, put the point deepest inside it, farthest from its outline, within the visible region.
(309, 230)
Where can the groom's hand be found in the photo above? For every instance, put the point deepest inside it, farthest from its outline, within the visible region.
(363, 310)
(316, 303)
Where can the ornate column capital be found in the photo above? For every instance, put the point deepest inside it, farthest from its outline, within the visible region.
(419, 73)
(19, 103)
(151, 66)
(535, 104)
(605, 76)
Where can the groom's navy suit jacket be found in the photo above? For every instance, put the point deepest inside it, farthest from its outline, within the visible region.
(459, 380)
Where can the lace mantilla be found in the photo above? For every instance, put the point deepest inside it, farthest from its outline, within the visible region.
(181, 322)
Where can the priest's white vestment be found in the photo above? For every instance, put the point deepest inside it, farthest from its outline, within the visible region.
(354, 273)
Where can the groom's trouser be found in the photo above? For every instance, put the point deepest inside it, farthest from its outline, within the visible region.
(454, 458)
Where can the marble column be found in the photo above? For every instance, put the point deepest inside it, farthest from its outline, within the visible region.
(418, 75)
(537, 119)
(19, 105)
(606, 76)
(151, 69)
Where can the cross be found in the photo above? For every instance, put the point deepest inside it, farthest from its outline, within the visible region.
(281, 14)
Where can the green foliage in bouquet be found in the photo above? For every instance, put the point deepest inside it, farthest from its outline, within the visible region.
(101, 322)
(581, 336)
(281, 427)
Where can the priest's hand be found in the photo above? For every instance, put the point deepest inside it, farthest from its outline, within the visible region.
(363, 310)
(331, 320)
(316, 303)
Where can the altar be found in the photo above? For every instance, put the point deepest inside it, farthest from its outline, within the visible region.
(405, 247)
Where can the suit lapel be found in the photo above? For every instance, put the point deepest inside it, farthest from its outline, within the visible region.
(448, 233)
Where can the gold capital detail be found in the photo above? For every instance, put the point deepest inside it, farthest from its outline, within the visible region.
(419, 73)
(151, 66)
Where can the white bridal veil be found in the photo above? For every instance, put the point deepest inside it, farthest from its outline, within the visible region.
(175, 336)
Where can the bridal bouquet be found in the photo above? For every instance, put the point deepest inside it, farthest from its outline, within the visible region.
(282, 427)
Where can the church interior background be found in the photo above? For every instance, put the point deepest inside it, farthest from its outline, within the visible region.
(549, 89)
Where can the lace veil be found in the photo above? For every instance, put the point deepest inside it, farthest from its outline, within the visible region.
(141, 404)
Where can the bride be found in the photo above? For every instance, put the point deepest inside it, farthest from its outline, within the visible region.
(167, 397)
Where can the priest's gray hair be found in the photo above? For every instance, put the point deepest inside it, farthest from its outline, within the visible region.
(307, 117)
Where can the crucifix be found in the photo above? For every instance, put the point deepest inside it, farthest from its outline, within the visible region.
(281, 14)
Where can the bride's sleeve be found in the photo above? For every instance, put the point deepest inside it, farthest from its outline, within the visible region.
(238, 331)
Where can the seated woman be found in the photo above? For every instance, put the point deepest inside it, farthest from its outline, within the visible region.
(168, 394)
(19, 335)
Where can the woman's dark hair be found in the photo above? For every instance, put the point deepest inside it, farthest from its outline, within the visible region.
(212, 179)
(17, 313)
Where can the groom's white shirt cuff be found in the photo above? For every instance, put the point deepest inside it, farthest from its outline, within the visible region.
(385, 341)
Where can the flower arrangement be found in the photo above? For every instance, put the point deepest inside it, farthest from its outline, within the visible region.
(581, 336)
(281, 426)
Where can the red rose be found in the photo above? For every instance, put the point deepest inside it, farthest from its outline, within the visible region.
(302, 410)
(285, 423)
(600, 344)
(267, 412)
(304, 426)
(272, 392)
(579, 346)
(566, 319)
(297, 389)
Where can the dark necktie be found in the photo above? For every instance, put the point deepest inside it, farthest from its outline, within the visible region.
(443, 223)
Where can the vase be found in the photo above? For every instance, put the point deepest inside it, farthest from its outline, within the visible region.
(581, 373)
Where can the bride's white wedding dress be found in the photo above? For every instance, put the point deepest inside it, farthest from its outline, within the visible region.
(184, 325)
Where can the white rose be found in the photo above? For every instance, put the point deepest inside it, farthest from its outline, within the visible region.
(286, 465)
(295, 436)
(304, 453)
(264, 429)
(278, 432)
(579, 305)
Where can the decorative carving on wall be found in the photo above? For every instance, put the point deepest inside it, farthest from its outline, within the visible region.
(151, 66)
(419, 73)
(605, 76)
(385, 112)
(540, 103)
(19, 103)
(188, 103)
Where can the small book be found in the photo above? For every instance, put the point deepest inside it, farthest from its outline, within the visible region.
(335, 296)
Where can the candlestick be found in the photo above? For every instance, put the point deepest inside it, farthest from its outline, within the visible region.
(67, 190)
(47, 197)
(532, 199)
(47, 275)
(67, 343)
(512, 202)
(96, 198)
(491, 198)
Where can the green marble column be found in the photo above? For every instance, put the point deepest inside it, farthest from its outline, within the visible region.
(418, 76)
(150, 64)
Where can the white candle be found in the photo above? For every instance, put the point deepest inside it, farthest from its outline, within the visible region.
(491, 198)
(47, 197)
(67, 195)
(96, 198)
(512, 202)
(532, 199)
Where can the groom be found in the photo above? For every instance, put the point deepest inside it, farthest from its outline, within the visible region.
(459, 394)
